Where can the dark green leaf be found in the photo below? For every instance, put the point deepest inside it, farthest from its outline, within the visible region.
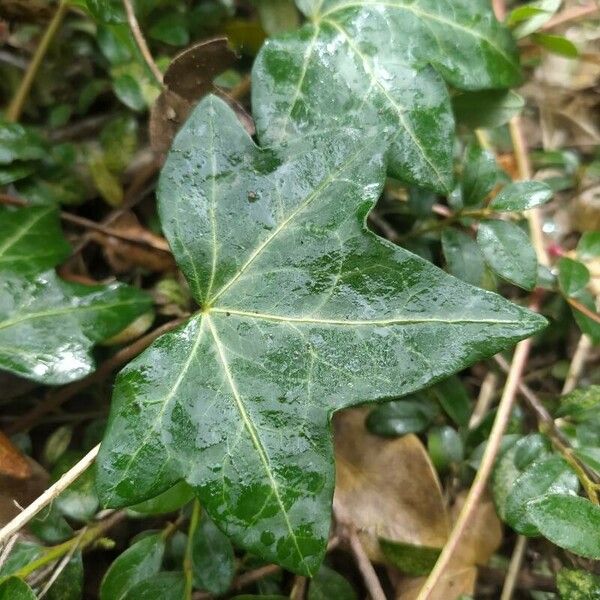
(15, 172)
(31, 239)
(128, 91)
(573, 276)
(480, 175)
(509, 252)
(455, 401)
(550, 475)
(162, 586)
(50, 526)
(176, 497)
(412, 560)
(486, 109)
(574, 584)
(79, 501)
(444, 446)
(15, 589)
(213, 561)
(23, 552)
(589, 245)
(19, 143)
(139, 562)
(521, 195)
(410, 415)
(571, 522)
(557, 44)
(171, 29)
(69, 584)
(304, 312)
(580, 403)
(367, 63)
(328, 584)
(48, 326)
(463, 256)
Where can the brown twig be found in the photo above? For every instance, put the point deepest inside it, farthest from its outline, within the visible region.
(514, 568)
(577, 363)
(14, 110)
(58, 397)
(138, 36)
(364, 565)
(583, 309)
(485, 468)
(571, 14)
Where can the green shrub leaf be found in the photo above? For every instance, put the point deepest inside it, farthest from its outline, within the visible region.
(303, 312)
(574, 584)
(328, 584)
(521, 195)
(15, 589)
(367, 62)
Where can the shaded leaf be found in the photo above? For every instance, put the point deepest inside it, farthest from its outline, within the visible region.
(139, 562)
(15, 589)
(453, 398)
(277, 16)
(480, 175)
(486, 109)
(166, 586)
(573, 276)
(571, 522)
(213, 561)
(19, 143)
(176, 497)
(409, 415)
(31, 239)
(408, 558)
(444, 446)
(521, 195)
(295, 323)
(575, 584)
(550, 475)
(69, 584)
(509, 252)
(366, 63)
(463, 256)
(328, 584)
(79, 501)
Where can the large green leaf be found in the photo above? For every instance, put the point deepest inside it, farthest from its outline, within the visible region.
(48, 326)
(31, 239)
(382, 62)
(15, 589)
(303, 312)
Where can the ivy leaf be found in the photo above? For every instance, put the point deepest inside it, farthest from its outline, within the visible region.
(32, 239)
(139, 562)
(571, 522)
(521, 195)
(15, 589)
(369, 62)
(303, 312)
(574, 584)
(508, 252)
(48, 326)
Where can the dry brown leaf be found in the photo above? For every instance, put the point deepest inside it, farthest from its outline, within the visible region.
(386, 488)
(149, 251)
(16, 492)
(13, 462)
(189, 77)
(455, 583)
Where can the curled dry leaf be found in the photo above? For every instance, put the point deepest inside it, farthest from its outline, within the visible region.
(389, 489)
(13, 462)
(188, 78)
(146, 249)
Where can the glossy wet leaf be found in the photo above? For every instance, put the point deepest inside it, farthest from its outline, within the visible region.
(571, 522)
(464, 258)
(328, 584)
(409, 415)
(486, 109)
(213, 561)
(557, 44)
(31, 239)
(521, 195)
(480, 175)
(573, 276)
(368, 62)
(15, 589)
(176, 497)
(139, 562)
(166, 586)
(454, 399)
(445, 447)
(508, 252)
(49, 326)
(551, 475)
(304, 312)
(574, 584)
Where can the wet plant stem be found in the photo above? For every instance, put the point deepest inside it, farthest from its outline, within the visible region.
(187, 559)
(15, 108)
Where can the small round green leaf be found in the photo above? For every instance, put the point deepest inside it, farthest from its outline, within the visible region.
(328, 584)
(162, 586)
(521, 195)
(589, 245)
(399, 417)
(574, 584)
(573, 276)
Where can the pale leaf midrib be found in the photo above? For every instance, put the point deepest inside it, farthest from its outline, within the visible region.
(254, 437)
(22, 231)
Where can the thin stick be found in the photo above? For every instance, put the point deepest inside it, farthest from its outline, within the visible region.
(7, 549)
(485, 468)
(49, 495)
(571, 14)
(141, 41)
(486, 394)
(365, 567)
(583, 309)
(577, 364)
(513, 568)
(13, 112)
(524, 165)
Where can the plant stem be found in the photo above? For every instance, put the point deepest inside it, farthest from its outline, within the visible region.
(570, 14)
(49, 495)
(14, 110)
(187, 560)
(577, 364)
(513, 568)
(141, 42)
(485, 468)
